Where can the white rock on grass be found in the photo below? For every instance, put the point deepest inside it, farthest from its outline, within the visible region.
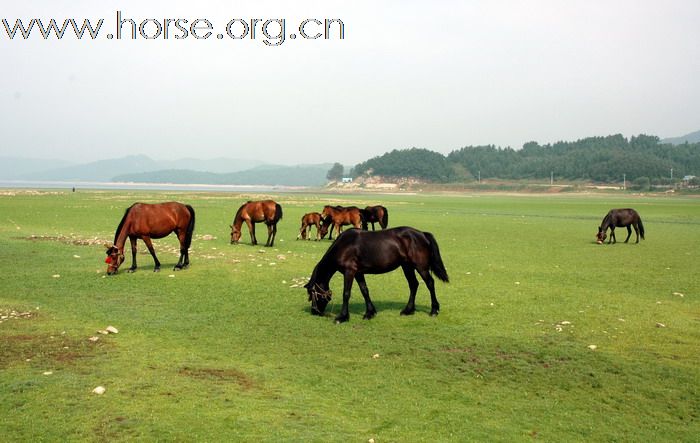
(592, 347)
(112, 330)
(99, 390)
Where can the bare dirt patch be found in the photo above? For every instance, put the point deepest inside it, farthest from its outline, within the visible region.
(45, 350)
(69, 240)
(213, 374)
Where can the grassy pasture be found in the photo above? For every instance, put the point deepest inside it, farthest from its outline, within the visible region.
(227, 350)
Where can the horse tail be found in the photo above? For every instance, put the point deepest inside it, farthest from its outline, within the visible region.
(121, 223)
(190, 227)
(436, 264)
(385, 218)
(641, 228)
(278, 212)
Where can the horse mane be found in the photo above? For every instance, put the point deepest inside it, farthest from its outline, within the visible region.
(238, 213)
(121, 223)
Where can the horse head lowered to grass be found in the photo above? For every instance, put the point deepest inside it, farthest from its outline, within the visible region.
(146, 221)
(620, 218)
(252, 212)
(356, 253)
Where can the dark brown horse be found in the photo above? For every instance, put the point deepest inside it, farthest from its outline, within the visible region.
(307, 221)
(146, 221)
(339, 216)
(356, 253)
(619, 218)
(251, 212)
(375, 214)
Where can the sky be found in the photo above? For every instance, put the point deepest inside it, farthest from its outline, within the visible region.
(439, 75)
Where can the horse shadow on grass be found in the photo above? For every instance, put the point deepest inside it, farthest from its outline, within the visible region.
(357, 308)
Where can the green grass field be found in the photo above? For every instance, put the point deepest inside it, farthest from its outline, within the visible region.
(228, 351)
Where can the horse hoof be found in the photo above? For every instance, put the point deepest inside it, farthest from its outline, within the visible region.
(369, 315)
(130, 270)
(156, 269)
(408, 312)
(434, 313)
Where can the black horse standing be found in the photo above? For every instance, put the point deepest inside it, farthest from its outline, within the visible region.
(374, 214)
(356, 253)
(620, 218)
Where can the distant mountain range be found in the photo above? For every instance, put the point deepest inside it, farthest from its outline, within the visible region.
(141, 168)
(693, 137)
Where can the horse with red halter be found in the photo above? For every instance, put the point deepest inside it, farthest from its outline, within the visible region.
(375, 214)
(337, 217)
(620, 218)
(252, 212)
(307, 221)
(146, 221)
(356, 253)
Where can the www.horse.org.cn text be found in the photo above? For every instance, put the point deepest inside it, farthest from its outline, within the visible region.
(271, 31)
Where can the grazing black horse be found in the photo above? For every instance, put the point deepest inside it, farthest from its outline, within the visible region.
(356, 253)
(375, 214)
(620, 218)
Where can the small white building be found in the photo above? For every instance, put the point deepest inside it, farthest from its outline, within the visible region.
(347, 180)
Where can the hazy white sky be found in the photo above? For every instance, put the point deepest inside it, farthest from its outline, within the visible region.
(434, 74)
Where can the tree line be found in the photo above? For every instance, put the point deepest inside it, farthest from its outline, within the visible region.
(600, 159)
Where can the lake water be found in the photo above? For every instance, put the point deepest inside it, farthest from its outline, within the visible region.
(27, 184)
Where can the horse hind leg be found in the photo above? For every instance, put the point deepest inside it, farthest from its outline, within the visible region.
(149, 245)
(636, 231)
(410, 275)
(430, 283)
(184, 260)
(629, 233)
(370, 310)
(271, 233)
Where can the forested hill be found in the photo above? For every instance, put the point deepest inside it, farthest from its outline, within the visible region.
(604, 159)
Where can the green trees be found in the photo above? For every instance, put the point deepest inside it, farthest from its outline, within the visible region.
(604, 159)
(414, 162)
(336, 172)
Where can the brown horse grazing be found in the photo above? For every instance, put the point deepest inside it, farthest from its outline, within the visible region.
(147, 221)
(373, 214)
(620, 218)
(308, 220)
(339, 216)
(356, 253)
(251, 212)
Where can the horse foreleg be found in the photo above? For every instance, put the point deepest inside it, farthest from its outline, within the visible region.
(410, 275)
(251, 229)
(347, 286)
(149, 245)
(629, 233)
(430, 283)
(370, 311)
(318, 231)
(133, 254)
(612, 236)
